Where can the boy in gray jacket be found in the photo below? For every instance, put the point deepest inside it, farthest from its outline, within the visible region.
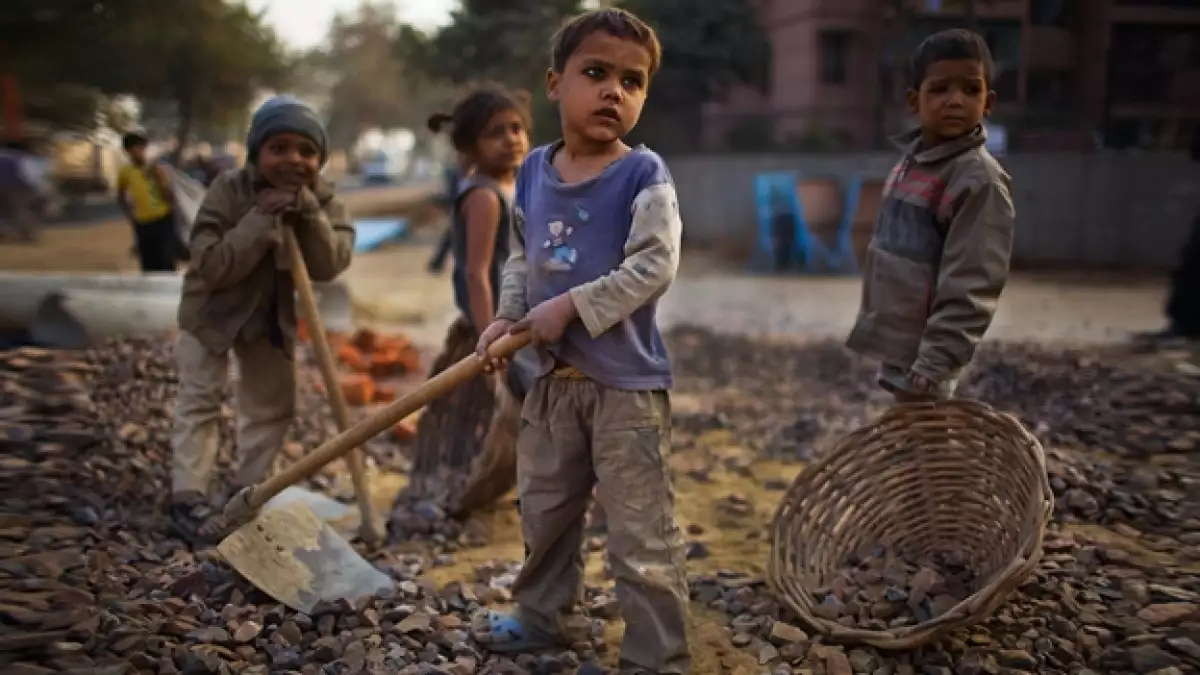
(940, 254)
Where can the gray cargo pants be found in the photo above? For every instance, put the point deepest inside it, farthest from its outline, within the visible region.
(265, 403)
(575, 434)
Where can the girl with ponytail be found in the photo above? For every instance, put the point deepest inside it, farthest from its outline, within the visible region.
(489, 130)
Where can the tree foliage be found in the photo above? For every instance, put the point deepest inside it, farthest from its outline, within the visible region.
(209, 60)
(367, 59)
(707, 48)
(206, 58)
(503, 41)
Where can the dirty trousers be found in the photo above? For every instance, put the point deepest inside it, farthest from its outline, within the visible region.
(22, 216)
(575, 433)
(265, 402)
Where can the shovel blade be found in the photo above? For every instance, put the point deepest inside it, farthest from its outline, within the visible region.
(323, 507)
(297, 558)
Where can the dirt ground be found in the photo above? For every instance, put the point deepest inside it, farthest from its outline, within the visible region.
(392, 290)
(391, 287)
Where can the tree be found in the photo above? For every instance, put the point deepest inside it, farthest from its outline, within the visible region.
(368, 58)
(503, 41)
(206, 57)
(63, 54)
(209, 61)
(707, 48)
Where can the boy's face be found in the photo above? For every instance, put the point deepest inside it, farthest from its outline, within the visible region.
(137, 154)
(602, 88)
(504, 143)
(953, 99)
(289, 161)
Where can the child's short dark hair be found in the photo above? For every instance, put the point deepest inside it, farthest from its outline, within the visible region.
(955, 44)
(619, 23)
(133, 140)
(471, 115)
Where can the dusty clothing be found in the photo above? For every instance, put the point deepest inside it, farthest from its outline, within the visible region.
(454, 430)
(265, 400)
(459, 239)
(157, 244)
(23, 184)
(599, 413)
(612, 242)
(574, 433)
(938, 260)
(238, 287)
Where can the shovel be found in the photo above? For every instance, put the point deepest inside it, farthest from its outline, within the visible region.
(367, 529)
(296, 557)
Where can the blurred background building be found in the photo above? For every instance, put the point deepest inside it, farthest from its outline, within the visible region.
(1071, 74)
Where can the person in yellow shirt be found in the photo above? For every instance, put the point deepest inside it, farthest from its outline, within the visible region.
(143, 192)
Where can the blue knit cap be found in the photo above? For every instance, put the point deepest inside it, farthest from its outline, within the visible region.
(285, 114)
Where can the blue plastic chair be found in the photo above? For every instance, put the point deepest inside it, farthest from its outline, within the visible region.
(773, 193)
(810, 252)
(842, 257)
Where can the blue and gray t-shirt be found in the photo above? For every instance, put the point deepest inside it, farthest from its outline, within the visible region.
(612, 241)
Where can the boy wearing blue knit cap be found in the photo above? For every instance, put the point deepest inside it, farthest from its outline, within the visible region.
(238, 296)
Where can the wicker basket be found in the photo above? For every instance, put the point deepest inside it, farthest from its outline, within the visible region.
(924, 477)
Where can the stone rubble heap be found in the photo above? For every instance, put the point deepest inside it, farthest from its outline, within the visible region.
(90, 582)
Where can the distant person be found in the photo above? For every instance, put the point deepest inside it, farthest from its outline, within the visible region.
(216, 164)
(23, 187)
(144, 195)
(940, 255)
(238, 296)
(596, 243)
(1183, 301)
(453, 176)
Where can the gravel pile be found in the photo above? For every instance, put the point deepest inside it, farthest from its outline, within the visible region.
(90, 583)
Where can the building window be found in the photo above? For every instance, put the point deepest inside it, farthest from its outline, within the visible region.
(1058, 13)
(1177, 4)
(1050, 89)
(834, 49)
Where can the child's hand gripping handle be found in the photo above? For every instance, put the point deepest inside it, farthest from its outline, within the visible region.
(246, 503)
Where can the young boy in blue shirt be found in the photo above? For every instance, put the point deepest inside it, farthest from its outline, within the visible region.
(596, 243)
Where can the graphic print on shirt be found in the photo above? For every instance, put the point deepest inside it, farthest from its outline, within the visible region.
(562, 255)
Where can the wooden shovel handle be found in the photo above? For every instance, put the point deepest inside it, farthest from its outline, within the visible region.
(431, 390)
(337, 400)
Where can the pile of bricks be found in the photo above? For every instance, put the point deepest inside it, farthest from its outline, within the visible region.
(370, 362)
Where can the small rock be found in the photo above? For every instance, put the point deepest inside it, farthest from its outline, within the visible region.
(784, 633)
(247, 632)
(1168, 614)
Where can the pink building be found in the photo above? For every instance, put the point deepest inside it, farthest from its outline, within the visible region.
(1068, 72)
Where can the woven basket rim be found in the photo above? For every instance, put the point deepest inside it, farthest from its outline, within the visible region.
(976, 606)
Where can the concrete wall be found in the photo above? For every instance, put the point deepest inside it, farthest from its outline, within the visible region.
(1072, 210)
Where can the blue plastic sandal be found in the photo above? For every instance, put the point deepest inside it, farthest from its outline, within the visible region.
(508, 635)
